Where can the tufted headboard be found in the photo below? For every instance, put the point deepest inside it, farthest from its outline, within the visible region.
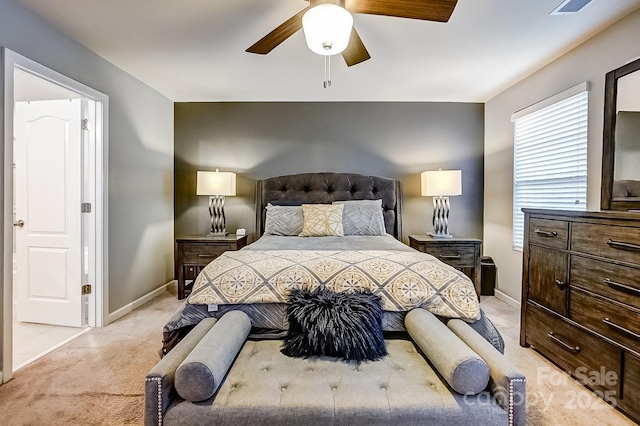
(328, 187)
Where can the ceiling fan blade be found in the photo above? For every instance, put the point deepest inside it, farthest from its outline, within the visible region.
(355, 51)
(269, 42)
(426, 10)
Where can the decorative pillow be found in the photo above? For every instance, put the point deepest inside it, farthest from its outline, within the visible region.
(362, 217)
(202, 372)
(283, 220)
(464, 370)
(322, 220)
(346, 325)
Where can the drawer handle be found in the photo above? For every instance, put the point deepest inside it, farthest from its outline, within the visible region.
(622, 245)
(207, 255)
(450, 256)
(550, 234)
(560, 284)
(621, 287)
(570, 348)
(620, 328)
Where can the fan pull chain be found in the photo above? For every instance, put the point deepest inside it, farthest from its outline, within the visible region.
(327, 71)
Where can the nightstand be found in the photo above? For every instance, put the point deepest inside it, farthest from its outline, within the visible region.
(194, 253)
(461, 253)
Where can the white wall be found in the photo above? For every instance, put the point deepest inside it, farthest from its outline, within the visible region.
(589, 61)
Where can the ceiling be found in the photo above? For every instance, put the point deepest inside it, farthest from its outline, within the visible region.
(194, 50)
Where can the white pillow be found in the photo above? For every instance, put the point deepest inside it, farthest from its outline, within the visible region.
(283, 220)
(362, 217)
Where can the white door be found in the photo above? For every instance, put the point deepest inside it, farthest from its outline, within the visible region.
(48, 155)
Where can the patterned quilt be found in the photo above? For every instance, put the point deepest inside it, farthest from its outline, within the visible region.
(404, 280)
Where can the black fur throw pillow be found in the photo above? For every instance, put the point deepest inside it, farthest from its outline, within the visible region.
(346, 325)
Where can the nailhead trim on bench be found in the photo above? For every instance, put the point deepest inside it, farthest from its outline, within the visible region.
(511, 398)
(158, 381)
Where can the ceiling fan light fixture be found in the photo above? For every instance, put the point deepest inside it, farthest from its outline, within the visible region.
(327, 28)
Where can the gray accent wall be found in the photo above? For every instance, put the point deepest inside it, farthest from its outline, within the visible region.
(140, 196)
(397, 140)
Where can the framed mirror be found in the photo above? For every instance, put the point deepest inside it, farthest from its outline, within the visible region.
(621, 139)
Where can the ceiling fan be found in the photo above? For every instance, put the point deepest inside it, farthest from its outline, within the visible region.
(354, 50)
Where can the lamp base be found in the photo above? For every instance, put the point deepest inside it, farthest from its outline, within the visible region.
(439, 236)
(218, 234)
(216, 210)
(440, 218)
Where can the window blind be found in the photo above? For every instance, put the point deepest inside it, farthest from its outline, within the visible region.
(550, 159)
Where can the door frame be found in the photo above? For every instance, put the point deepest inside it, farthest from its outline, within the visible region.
(98, 303)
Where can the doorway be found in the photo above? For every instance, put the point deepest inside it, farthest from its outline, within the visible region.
(56, 261)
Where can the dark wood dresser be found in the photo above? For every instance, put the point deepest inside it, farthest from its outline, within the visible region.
(581, 298)
(194, 253)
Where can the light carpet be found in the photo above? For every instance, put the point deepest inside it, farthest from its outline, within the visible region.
(98, 378)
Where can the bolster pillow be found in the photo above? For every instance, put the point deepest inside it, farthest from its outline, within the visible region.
(460, 366)
(202, 371)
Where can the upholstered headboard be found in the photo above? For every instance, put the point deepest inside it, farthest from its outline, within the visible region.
(626, 190)
(329, 187)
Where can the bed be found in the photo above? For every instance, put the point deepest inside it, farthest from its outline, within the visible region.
(362, 250)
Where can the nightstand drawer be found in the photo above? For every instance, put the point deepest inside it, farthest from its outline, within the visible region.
(458, 255)
(203, 253)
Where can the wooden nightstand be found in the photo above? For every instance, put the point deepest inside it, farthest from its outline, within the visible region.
(194, 253)
(461, 253)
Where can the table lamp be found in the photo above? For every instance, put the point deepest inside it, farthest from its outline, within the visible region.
(217, 185)
(440, 184)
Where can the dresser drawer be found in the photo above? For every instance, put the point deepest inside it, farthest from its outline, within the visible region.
(616, 282)
(552, 233)
(456, 255)
(613, 242)
(202, 254)
(572, 349)
(617, 323)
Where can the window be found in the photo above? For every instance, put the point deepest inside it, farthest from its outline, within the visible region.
(550, 156)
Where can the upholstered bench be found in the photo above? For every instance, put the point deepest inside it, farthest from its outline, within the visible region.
(191, 384)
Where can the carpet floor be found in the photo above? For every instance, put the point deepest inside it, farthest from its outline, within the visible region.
(98, 378)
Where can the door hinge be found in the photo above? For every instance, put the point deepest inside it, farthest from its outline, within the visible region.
(86, 289)
(85, 207)
(84, 124)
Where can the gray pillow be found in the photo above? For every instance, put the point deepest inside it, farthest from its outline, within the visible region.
(464, 370)
(362, 217)
(203, 370)
(283, 220)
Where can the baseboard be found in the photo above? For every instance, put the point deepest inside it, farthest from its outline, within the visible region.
(139, 302)
(507, 299)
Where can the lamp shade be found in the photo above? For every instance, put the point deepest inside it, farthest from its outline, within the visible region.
(441, 183)
(327, 28)
(216, 183)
